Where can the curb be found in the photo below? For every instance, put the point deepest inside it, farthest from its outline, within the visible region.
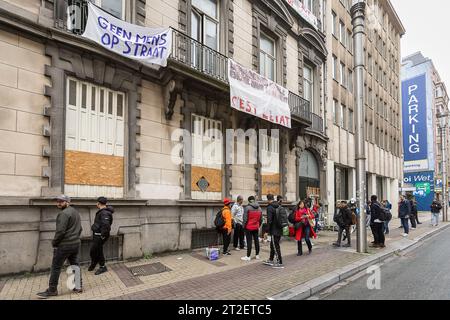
(310, 288)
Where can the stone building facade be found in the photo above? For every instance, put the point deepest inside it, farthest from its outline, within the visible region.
(382, 100)
(78, 119)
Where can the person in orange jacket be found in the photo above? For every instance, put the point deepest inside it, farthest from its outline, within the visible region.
(226, 231)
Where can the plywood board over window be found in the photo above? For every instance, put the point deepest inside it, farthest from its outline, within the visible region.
(95, 141)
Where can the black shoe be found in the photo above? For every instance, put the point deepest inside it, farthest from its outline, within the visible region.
(419, 222)
(101, 270)
(228, 253)
(309, 251)
(46, 294)
(299, 254)
(91, 267)
(347, 245)
(77, 290)
(337, 244)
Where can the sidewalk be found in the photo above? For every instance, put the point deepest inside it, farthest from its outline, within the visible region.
(192, 276)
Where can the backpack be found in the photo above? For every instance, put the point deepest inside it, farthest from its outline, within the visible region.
(387, 214)
(281, 216)
(339, 218)
(219, 221)
(291, 217)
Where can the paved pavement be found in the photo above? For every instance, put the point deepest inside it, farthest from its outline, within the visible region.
(191, 276)
(421, 274)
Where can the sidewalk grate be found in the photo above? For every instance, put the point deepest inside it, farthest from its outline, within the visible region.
(148, 269)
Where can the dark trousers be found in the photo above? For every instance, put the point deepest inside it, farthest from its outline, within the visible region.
(275, 247)
(97, 256)
(347, 233)
(378, 233)
(60, 254)
(405, 224)
(306, 233)
(249, 235)
(412, 217)
(238, 236)
(226, 240)
(416, 215)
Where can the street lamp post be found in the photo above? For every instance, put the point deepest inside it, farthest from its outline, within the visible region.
(443, 126)
(358, 20)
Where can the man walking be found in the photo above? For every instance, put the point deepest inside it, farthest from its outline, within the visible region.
(252, 222)
(275, 229)
(377, 218)
(66, 245)
(101, 229)
(404, 211)
(237, 212)
(343, 218)
(435, 210)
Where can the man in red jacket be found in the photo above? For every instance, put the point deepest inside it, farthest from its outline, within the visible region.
(252, 222)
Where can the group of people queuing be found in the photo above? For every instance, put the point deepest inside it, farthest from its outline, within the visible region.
(245, 223)
(67, 241)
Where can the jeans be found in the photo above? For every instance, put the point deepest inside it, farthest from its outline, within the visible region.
(405, 224)
(275, 248)
(249, 235)
(96, 252)
(238, 236)
(347, 232)
(60, 254)
(386, 227)
(306, 233)
(226, 240)
(378, 234)
(434, 218)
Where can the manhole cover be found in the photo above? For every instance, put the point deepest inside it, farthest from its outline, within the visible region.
(148, 269)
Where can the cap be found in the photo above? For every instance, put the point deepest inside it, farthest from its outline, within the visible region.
(63, 198)
(102, 200)
(226, 201)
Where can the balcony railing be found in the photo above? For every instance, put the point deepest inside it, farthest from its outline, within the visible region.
(72, 15)
(317, 123)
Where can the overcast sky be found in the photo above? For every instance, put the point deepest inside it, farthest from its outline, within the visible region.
(427, 25)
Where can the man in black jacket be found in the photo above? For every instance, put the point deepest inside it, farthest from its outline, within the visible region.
(377, 222)
(344, 221)
(275, 230)
(66, 244)
(101, 229)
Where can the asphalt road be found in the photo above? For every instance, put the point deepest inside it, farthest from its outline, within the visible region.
(422, 274)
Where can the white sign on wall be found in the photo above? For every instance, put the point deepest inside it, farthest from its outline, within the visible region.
(147, 45)
(254, 94)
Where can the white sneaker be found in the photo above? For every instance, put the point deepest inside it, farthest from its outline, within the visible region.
(405, 235)
(413, 228)
(257, 258)
(246, 258)
(237, 249)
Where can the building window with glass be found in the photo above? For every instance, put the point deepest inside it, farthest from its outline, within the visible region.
(267, 57)
(308, 84)
(205, 22)
(335, 67)
(114, 7)
(334, 30)
(335, 103)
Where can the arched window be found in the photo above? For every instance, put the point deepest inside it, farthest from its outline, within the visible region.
(309, 175)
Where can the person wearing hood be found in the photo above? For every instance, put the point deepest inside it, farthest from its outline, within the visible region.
(101, 230)
(275, 230)
(252, 222)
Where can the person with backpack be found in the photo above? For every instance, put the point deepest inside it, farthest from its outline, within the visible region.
(101, 230)
(237, 212)
(404, 211)
(377, 219)
(276, 220)
(435, 210)
(343, 219)
(253, 219)
(226, 226)
(304, 221)
(387, 207)
(414, 210)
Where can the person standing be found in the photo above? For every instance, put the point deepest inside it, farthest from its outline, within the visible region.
(404, 211)
(227, 228)
(388, 207)
(275, 230)
(414, 210)
(237, 212)
(377, 218)
(101, 231)
(66, 245)
(253, 219)
(435, 210)
(303, 228)
(344, 222)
